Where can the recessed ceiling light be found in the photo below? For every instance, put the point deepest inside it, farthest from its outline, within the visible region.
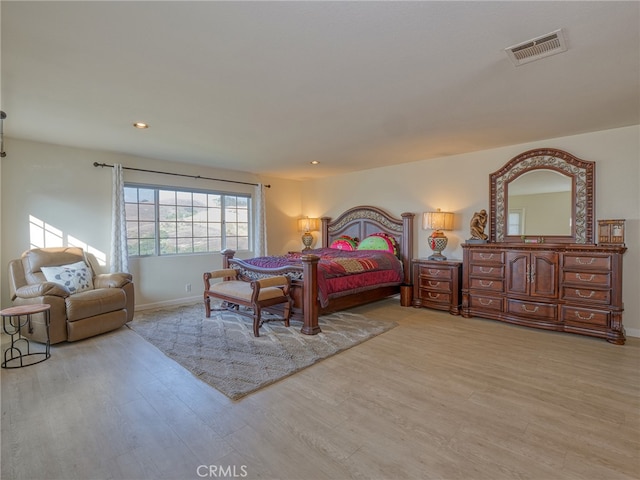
(314, 162)
(140, 125)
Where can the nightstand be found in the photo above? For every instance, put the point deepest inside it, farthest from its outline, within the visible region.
(437, 284)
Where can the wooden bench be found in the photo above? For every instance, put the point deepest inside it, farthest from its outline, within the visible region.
(256, 294)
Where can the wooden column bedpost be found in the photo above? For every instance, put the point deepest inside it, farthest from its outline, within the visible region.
(407, 245)
(309, 294)
(227, 254)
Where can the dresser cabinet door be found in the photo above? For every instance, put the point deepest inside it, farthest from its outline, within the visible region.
(532, 274)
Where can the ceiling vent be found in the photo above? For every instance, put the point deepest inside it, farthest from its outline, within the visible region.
(537, 48)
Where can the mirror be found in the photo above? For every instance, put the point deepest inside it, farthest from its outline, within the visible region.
(543, 196)
(530, 198)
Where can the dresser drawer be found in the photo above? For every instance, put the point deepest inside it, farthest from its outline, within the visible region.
(486, 257)
(541, 311)
(588, 279)
(429, 284)
(486, 271)
(425, 271)
(589, 261)
(581, 316)
(489, 284)
(485, 303)
(586, 295)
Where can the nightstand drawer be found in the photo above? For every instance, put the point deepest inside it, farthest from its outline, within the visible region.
(431, 285)
(429, 297)
(435, 272)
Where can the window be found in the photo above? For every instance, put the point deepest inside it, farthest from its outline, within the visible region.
(166, 221)
(515, 225)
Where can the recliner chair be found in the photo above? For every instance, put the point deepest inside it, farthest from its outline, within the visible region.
(98, 304)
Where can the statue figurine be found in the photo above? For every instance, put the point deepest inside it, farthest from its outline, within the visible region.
(477, 225)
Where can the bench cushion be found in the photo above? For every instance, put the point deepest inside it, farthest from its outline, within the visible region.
(242, 290)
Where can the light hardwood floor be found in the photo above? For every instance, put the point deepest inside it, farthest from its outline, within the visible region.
(438, 397)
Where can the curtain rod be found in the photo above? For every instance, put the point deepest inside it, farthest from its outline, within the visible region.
(96, 164)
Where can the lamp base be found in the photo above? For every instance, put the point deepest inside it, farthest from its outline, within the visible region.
(307, 240)
(437, 243)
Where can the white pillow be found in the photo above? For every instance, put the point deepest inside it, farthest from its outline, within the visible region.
(76, 277)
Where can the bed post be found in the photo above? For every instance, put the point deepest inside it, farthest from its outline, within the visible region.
(310, 294)
(227, 254)
(324, 228)
(407, 245)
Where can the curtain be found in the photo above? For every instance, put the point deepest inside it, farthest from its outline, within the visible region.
(119, 254)
(260, 247)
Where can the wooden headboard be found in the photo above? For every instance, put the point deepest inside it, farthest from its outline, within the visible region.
(365, 220)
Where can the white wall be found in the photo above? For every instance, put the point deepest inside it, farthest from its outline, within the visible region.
(61, 186)
(460, 184)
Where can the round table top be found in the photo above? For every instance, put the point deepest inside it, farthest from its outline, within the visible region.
(25, 309)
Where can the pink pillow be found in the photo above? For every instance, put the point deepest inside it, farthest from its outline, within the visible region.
(345, 242)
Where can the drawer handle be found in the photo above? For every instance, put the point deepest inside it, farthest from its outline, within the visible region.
(433, 295)
(579, 277)
(486, 284)
(486, 256)
(435, 272)
(524, 308)
(433, 284)
(489, 270)
(485, 302)
(591, 315)
(591, 293)
(581, 262)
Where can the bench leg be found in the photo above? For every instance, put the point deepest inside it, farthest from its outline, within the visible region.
(256, 321)
(207, 305)
(287, 312)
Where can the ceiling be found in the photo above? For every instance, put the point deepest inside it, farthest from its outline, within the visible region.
(267, 87)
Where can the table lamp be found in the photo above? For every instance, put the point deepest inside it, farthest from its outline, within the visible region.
(437, 221)
(308, 225)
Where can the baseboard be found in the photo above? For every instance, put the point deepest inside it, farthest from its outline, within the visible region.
(632, 332)
(170, 303)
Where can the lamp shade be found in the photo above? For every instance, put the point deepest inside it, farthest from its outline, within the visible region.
(437, 220)
(308, 224)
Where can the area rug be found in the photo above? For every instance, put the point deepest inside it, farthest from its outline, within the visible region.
(223, 352)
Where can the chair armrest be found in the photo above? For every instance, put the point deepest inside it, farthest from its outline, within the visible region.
(222, 273)
(279, 281)
(40, 290)
(111, 280)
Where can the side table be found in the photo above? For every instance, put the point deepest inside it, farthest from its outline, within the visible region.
(14, 319)
(437, 284)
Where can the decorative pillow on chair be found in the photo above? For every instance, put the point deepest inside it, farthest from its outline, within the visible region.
(76, 277)
(345, 242)
(379, 241)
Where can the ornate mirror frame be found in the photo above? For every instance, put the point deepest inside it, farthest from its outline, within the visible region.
(582, 174)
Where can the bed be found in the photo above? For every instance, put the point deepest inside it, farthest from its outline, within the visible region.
(312, 271)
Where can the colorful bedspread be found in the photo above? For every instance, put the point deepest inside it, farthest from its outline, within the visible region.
(341, 272)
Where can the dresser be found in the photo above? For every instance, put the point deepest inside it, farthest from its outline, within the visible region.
(565, 287)
(437, 284)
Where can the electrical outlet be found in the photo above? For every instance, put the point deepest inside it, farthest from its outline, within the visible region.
(187, 287)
